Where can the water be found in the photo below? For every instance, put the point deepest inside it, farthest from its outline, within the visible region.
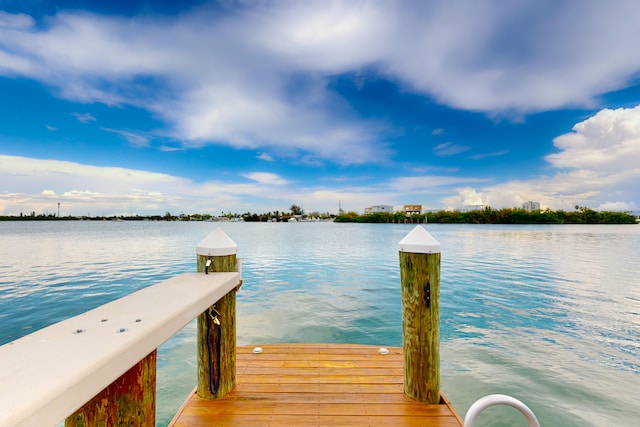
(547, 314)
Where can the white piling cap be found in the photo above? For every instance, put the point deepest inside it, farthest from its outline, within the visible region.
(217, 243)
(419, 241)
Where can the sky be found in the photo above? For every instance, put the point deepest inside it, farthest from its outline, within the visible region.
(146, 107)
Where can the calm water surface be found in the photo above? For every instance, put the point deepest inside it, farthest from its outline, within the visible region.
(547, 314)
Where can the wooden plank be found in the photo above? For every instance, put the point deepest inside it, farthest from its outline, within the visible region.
(322, 388)
(363, 363)
(316, 420)
(277, 407)
(323, 371)
(350, 385)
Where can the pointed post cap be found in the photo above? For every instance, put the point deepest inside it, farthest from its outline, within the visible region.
(419, 241)
(217, 243)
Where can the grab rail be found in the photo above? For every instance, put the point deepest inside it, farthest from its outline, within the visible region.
(498, 399)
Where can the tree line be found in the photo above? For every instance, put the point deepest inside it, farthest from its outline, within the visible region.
(581, 215)
(295, 211)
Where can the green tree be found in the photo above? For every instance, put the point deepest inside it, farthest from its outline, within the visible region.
(296, 210)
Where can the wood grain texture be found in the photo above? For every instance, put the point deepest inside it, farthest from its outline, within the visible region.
(316, 385)
(128, 401)
(421, 325)
(216, 380)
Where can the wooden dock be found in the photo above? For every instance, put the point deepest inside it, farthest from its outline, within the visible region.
(316, 385)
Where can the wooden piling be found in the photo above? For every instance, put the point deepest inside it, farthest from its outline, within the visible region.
(217, 325)
(420, 284)
(128, 401)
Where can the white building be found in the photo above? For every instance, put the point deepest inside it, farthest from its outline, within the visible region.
(378, 208)
(531, 206)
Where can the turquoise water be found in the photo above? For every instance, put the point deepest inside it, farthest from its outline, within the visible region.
(547, 314)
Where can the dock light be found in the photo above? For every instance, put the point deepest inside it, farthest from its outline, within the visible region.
(257, 350)
(207, 265)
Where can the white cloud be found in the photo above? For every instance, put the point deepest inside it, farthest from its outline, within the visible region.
(266, 157)
(37, 185)
(84, 117)
(135, 138)
(227, 78)
(266, 178)
(617, 206)
(20, 21)
(608, 141)
(598, 165)
(429, 184)
(266, 88)
(449, 149)
(491, 154)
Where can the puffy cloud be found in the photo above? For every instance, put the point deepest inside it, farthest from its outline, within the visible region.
(598, 165)
(227, 77)
(19, 21)
(257, 78)
(607, 141)
(617, 206)
(37, 185)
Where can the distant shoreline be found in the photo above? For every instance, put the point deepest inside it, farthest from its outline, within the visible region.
(486, 216)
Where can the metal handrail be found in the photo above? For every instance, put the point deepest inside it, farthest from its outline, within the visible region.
(498, 399)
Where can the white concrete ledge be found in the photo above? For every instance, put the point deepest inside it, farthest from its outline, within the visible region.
(49, 374)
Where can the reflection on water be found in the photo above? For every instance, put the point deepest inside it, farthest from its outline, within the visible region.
(548, 314)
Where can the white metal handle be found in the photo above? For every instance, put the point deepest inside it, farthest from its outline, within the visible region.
(498, 399)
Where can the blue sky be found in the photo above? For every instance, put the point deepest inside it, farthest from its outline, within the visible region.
(144, 107)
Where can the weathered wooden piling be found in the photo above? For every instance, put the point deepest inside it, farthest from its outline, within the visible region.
(128, 401)
(217, 325)
(420, 283)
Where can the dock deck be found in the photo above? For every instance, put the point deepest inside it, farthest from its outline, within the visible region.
(316, 385)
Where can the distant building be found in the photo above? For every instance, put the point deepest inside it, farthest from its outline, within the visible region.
(412, 209)
(378, 208)
(531, 206)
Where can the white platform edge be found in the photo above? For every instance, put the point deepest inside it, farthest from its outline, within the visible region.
(49, 374)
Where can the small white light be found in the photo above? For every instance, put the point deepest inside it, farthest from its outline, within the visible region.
(383, 351)
(257, 350)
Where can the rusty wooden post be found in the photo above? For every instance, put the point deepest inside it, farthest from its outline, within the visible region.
(420, 283)
(128, 401)
(217, 325)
